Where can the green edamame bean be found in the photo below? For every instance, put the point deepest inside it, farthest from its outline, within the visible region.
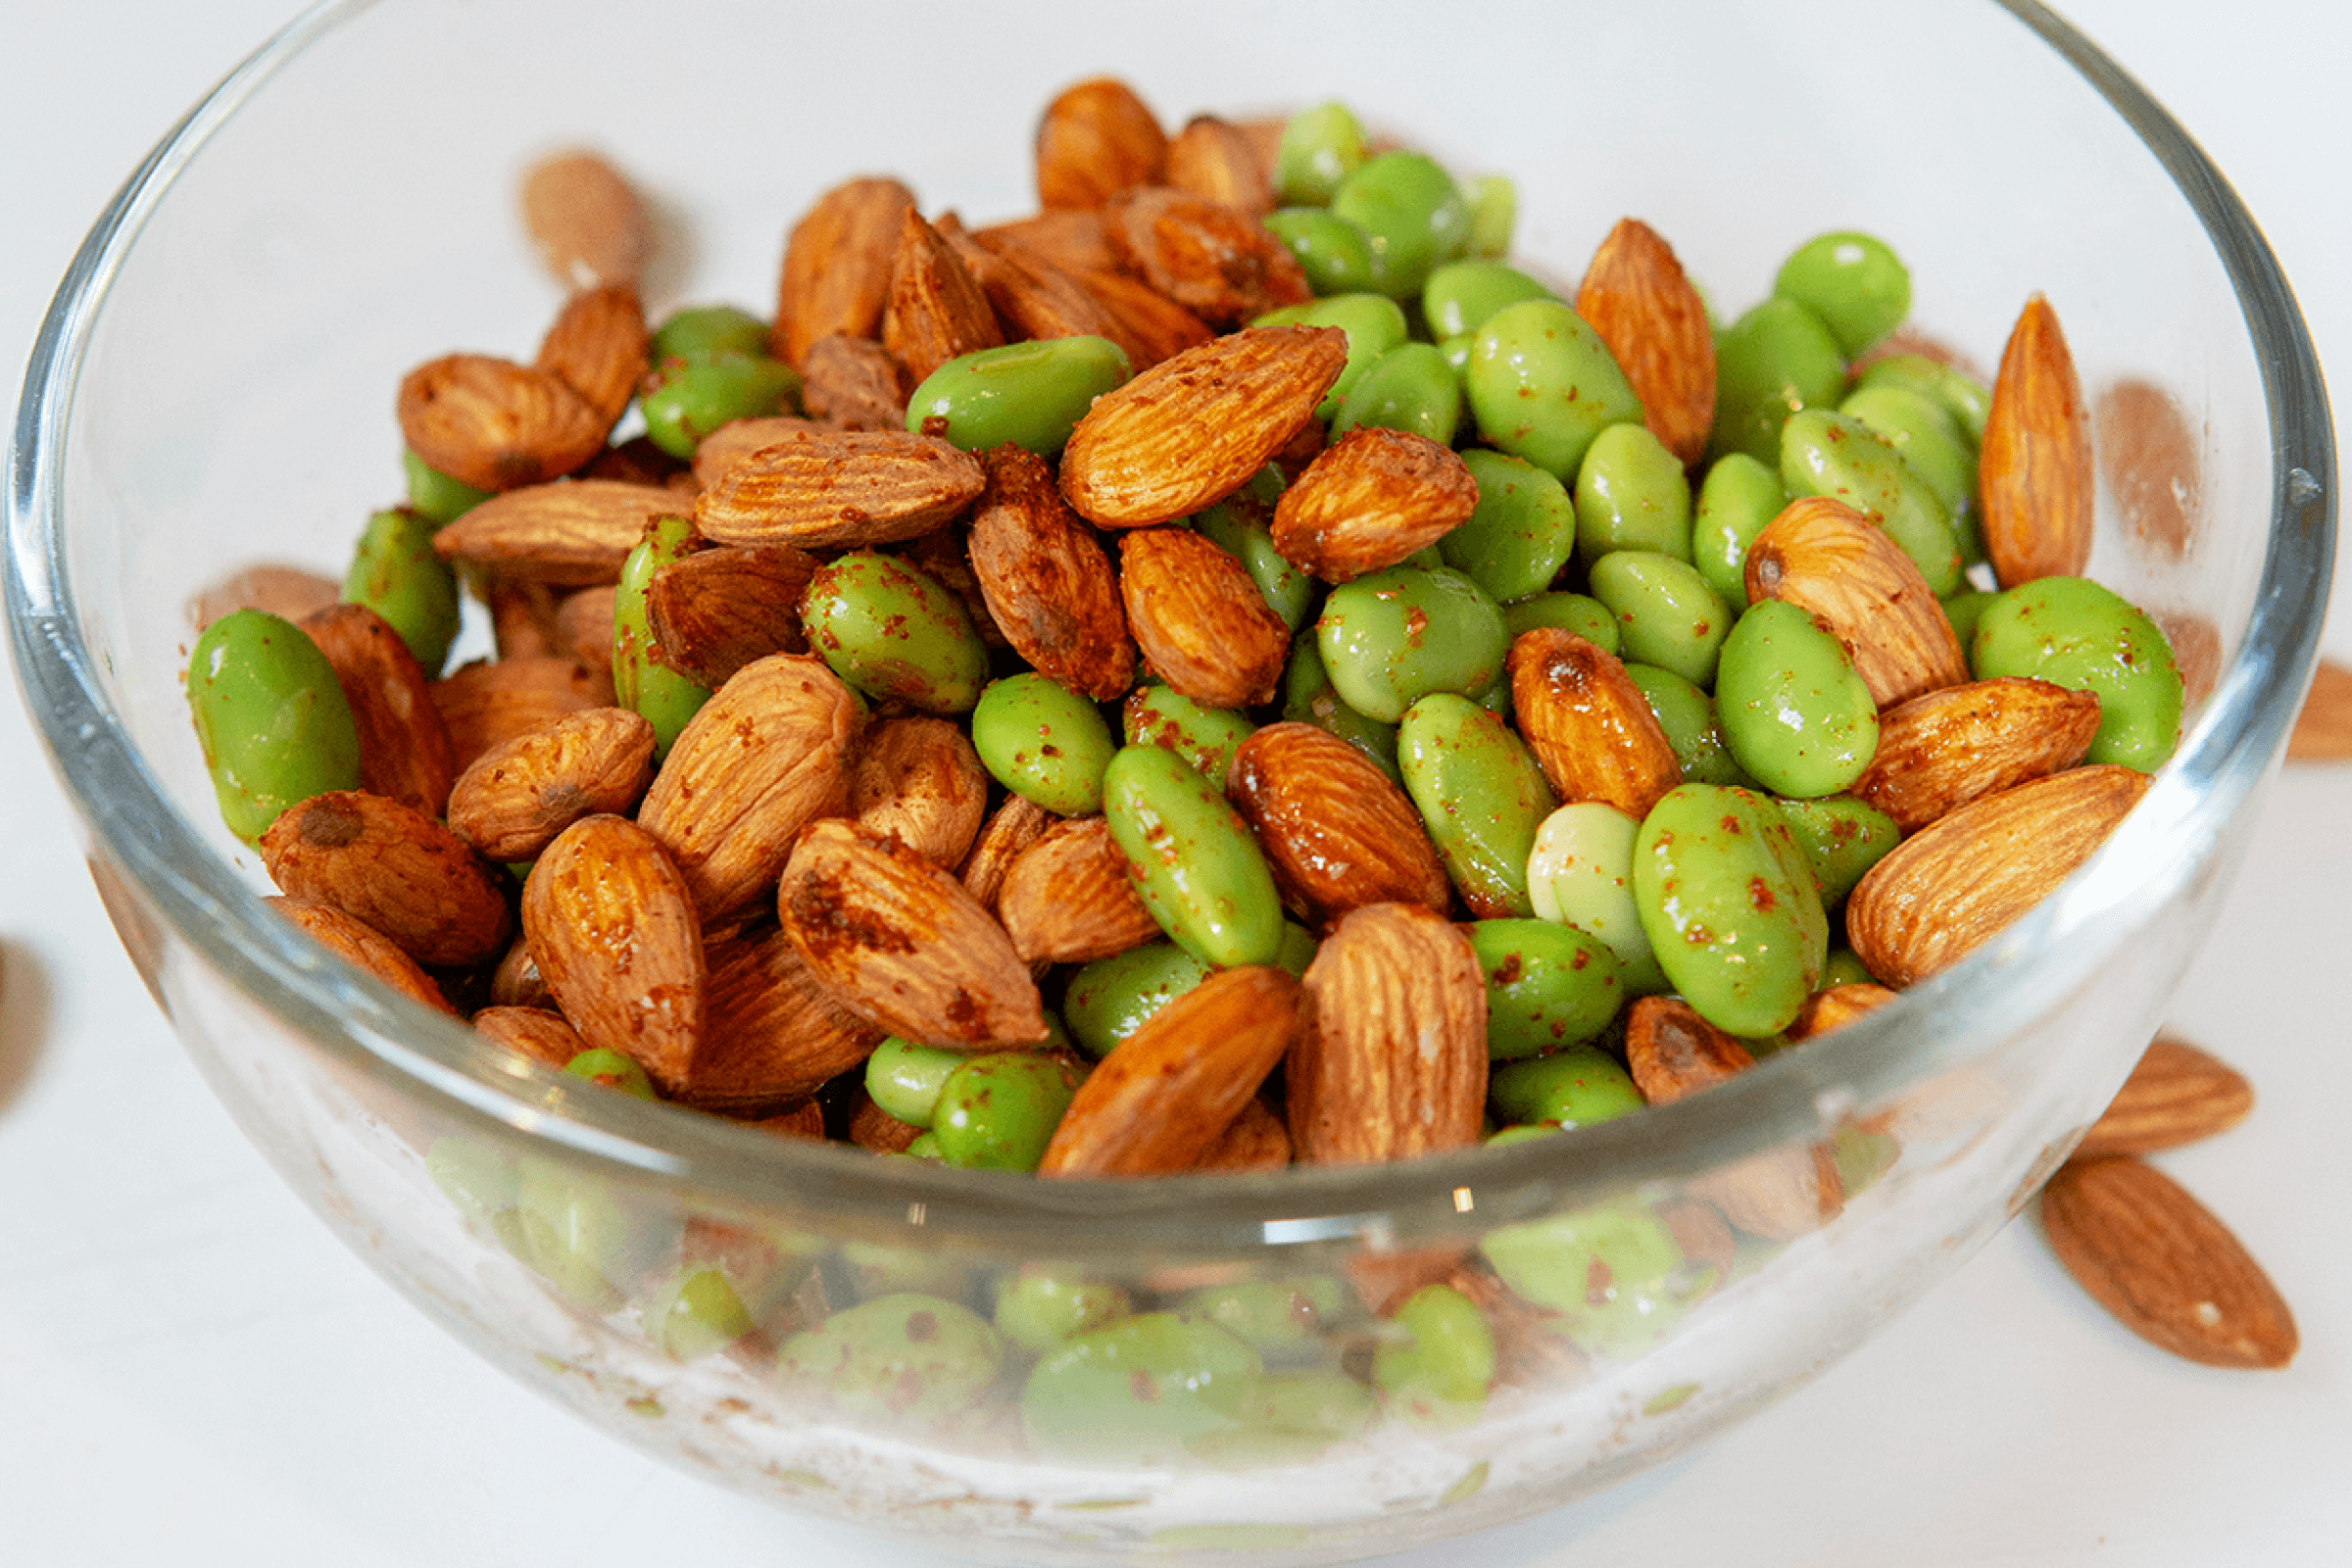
(436, 497)
(890, 631)
(1541, 385)
(1843, 968)
(481, 1185)
(1522, 1133)
(1460, 296)
(1110, 998)
(1825, 452)
(1139, 1390)
(1436, 1375)
(1687, 714)
(690, 398)
(1374, 325)
(1630, 495)
(1297, 951)
(1728, 900)
(1666, 613)
(878, 1270)
(607, 1068)
(1493, 214)
(1195, 865)
(1736, 502)
(904, 1360)
(641, 682)
(2073, 632)
(696, 1313)
(1412, 212)
(1926, 436)
(1308, 697)
(1038, 1311)
(1479, 793)
(1044, 742)
(998, 1111)
(1843, 837)
(1521, 533)
(903, 1078)
(1206, 737)
(395, 572)
(1335, 255)
(1239, 527)
(1409, 388)
(1793, 709)
(1390, 637)
(699, 332)
(1580, 871)
(1271, 1316)
(1961, 395)
(1580, 613)
(1328, 1405)
(1964, 610)
(1769, 363)
(1572, 1088)
(581, 1235)
(1320, 148)
(1027, 395)
(1547, 985)
(270, 718)
(1613, 1271)
(1854, 282)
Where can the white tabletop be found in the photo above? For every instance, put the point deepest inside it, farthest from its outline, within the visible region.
(193, 1372)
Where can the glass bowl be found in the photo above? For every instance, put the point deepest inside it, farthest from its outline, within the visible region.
(214, 385)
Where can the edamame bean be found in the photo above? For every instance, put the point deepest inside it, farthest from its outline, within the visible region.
(2073, 632)
(1412, 212)
(436, 497)
(1926, 436)
(1825, 452)
(581, 1234)
(1728, 900)
(1028, 395)
(893, 632)
(607, 1068)
(1194, 863)
(696, 1313)
(1521, 533)
(1110, 998)
(1335, 255)
(1964, 610)
(906, 1359)
(903, 1078)
(998, 1111)
(1612, 1271)
(1238, 525)
(1479, 793)
(395, 572)
(1460, 296)
(1309, 696)
(700, 332)
(1769, 363)
(1437, 1373)
(1493, 214)
(1687, 714)
(689, 399)
(1374, 325)
(270, 718)
(1794, 711)
(1736, 502)
(1044, 742)
(641, 682)
(1320, 148)
(1541, 385)
(1843, 837)
(1580, 871)
(1139, 1390)
(1390, 637)
(1630, 495)
(1206, 737)
(1580, 613)
(1961, 395)
(1854, 282)
(1571, 1088)
(1271, 1316)
(1411, 388)
(1666, 613)
(1547, 985)
(1038, 1311)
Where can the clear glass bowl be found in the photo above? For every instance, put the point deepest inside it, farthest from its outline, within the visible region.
(214, 387)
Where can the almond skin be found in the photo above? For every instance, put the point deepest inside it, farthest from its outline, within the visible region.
(2177, 1094)
(1370, 500)
(837, 264)
(1856, 583)
(2158, 1260)
(901, 943)
(575, 534)
(919, 779)
(1095, 139)
(1636, 296)
(1200, 620)
(1394, 1064)
(405, 748)
(395, 869)
(1336, 831)
(512, 800)
(1219, 263)
(495, 424)
(1067, 899)
(1943, 749)
(1959, 882)
(1588, 726)
(587, 221)
(2035, 473)
(1045, 579)
(842, 488)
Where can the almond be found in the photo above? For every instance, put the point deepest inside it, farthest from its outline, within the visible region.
(1837, 1006)
(852, 383)
(395, 869)
(1255, 1139)
(738, 439)
(599, 347)
(1149, 325)
(1193, 429)
(937, 310)
(1095, 139)
(841, 488)
(638, 461)
(588, 222)
(1067, 899)
(877, 1131)
(1011, 828)
(523, 617)
(1856, 583)
(1337, 833)
(405, 750)
(575, 534)
(495, 424)
(531, 1033)
(1636, 296)
(2323, 731)
(919, 780)
(2035, 477)
(485, 703)
(772, 1035)
(837, 264)
(1219, 161)
(1161, 1101)
(1219, 263)
(1069, 239)
(1943, 749)
(1032, 297)
(2176, 1094)
(901, 943)
(613, 928)
(517, 982)
(1200, 620)
(1965, 878)
(584, 628)
(1394, 1062)
(512, 800)
(1048, 584)
(362, 947)
(714, 611)
(765, 755)
(1589, 727)
(287, 592)
(1370, 500)
(2158, 1260)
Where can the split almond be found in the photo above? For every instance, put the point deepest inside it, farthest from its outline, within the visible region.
(2035, 474)
(1200, 620)
(588, 222)
(1858, 585)
(1068, 898)
(837, 265)
(2176, 1094)
(397, 871)
(842, 488)
(1589, 727)
(1943, 749)
(495, 424)
(1370, 500)
(574, 535)
(919, 780)
(1636, 297)
(1045, 579)
(1095, 139)
(512, 800)
(1218, 262)
(1337, 833)
(714, 611)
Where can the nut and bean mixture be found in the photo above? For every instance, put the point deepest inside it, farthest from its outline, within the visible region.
(1225, 670)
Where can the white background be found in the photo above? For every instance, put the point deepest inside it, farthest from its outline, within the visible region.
(192, 1372)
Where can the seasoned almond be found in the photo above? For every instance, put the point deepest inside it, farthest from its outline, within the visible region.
(485, 703)
(2035, 477)
(1856, 583)
(1337, 833)
(1161, 1101)
(767, 754)
(852, 383)
(1255, 1139)
(523, 617)
(599, 347)
(614, 931)
(1220, 161)
(495, 424)
(517, 982)
(1829, 1010)
(405, 748)
(1943, 749)
(1588, 726)
(840, 488)
(575, 534)
(945, 556)
(395, 869)
(772, 1035)
(2158, 1259)
(901, 943)
(837, 265)
(584, 628)
(1394, 1062)
(1963, 879)
(1048, 584)
(2323, 731)
(1636, 296)
(588, 222)
(1068, 238)
(638, 461)
(1193, 430)
(362, 947)
(532, 1033)
(936, 310)
(1370, 500)
(1068, 898)
(1012, 827)
(512, 800)
(738, 439)
(2175, 1096)
(877, 1131)
(1150, 326)
(1200, 620)
(919, 779)
(714, 611)
(1095, 139)
(1218, 262)
(804, 1121)
(288, 592)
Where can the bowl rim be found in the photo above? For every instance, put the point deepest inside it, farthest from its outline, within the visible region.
(2162, 847)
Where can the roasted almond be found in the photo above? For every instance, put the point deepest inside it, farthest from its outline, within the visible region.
(1370, 500)
(2035, 480)
(1067, 238)
(1095, 139)
(1034, 298)
(1011, 828)
(488, 702)
(1220, 161)
(918, 779)
(1589, 727)
(1856, 583)
(837, 264)
(1960, 881)
(512, 800)
(1200, 620)
(395, 869)
(772, 1035)
(362, 947)
(523, 617)
(1068, 898)
(598, 346)
(1255, 1139)
(574, 535)
(1218, 262)
(1045, 579)
(738, 439)
(287, 592)
(532, 1033)
(495, 424)
(405, 750)
(852, 383)
(1943, 749)
(2175, 1096)
(1636, 296)
(1150, 326)
(2323, 731)
(712, 611)
(1837, 1006)
(588, 222)
(839, 488)
(937, 310)
(1337, 833)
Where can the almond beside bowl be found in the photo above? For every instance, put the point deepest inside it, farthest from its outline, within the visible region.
(213, 389)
